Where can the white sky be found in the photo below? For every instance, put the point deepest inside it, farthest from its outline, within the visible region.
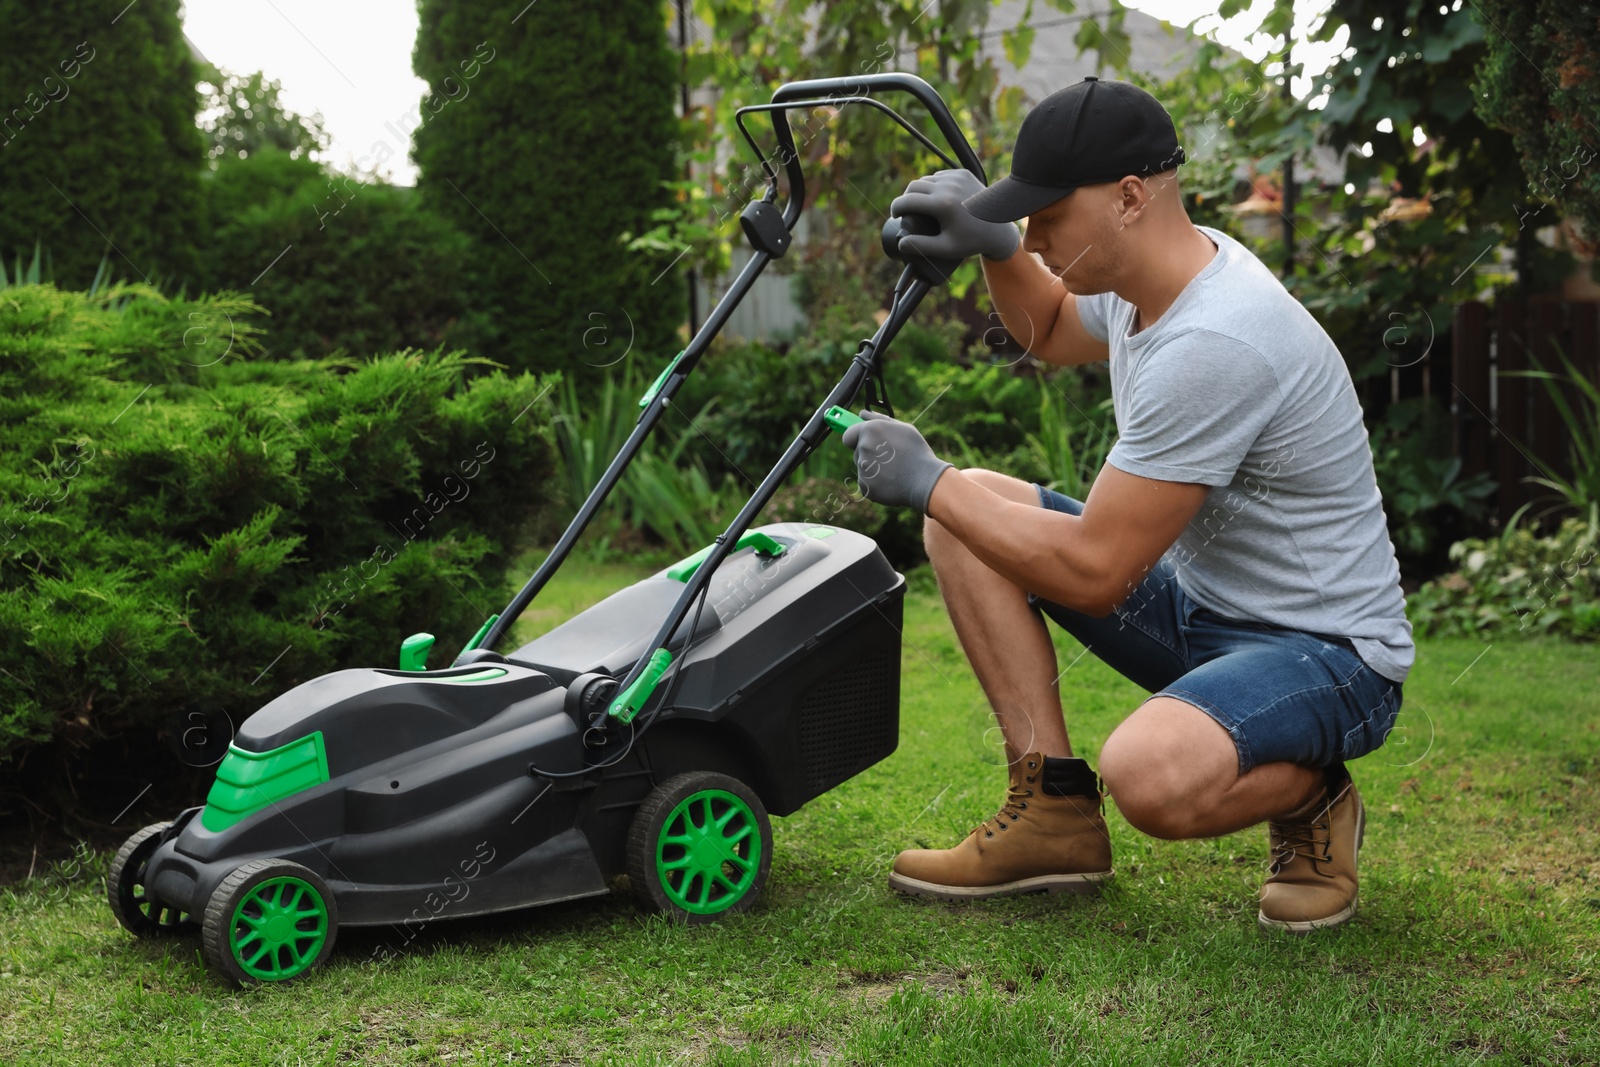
(351, 60)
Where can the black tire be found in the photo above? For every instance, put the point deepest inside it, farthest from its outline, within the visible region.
(699, 881)
(139, 912)
(295, 938)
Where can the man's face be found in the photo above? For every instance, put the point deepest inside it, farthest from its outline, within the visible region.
(1078, 237)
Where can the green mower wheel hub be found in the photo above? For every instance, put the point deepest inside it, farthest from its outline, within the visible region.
(708, 855)
(278, 929)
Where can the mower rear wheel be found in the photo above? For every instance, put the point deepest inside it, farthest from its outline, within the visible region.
(139, 912)
(700, 848)
(269, 921)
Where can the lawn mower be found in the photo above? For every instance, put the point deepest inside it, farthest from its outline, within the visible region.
(623, 741)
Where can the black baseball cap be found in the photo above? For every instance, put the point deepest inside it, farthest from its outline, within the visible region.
(1087, 133)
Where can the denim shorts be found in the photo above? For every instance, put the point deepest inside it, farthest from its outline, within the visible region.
(1281, 694)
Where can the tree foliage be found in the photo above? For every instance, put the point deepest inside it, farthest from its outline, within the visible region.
(857, 161)
(547, 136)
(1540, 82)
(98, 144)
(241, 114)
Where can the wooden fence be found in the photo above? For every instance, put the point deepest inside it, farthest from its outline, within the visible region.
(1507, 426)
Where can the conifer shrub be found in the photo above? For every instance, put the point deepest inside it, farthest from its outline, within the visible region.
(182, 524)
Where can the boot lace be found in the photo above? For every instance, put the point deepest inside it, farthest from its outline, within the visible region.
(1311, 837)
(1016, 803)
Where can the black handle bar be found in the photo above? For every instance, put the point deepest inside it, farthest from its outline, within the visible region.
(860, 86)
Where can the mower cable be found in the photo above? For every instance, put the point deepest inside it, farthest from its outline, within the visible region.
(636, 731)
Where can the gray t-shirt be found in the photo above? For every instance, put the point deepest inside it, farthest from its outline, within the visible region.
(1237, 387)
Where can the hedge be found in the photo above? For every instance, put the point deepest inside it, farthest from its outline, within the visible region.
(181, 523)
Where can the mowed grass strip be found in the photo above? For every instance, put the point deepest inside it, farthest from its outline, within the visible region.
(1475, 944)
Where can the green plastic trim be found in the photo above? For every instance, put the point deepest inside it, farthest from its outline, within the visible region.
(249, 781)
(477, 638)
(484, 675)
(278, 929)
(684, 569)
(655, 386)
(840, 419)
(626, 706)
(709, 852)
(819, 532)
(414, 652)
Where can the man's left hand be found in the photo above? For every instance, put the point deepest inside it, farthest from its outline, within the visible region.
(893, 463)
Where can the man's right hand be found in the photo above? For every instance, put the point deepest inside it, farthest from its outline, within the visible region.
(961, 233)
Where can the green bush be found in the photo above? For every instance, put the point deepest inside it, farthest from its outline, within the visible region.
(547, 135)
(339, 263)
(1576, 398)
(97, 130)
(665, 497)
(751, 398)
(176, 529)
(971, 412)
(1518, 584)
(1429, 505)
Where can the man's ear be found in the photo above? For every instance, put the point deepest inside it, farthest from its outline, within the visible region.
(1134, 195)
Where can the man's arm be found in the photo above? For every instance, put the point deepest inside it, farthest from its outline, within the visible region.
(1034, 306)
(1039, 313)
(1090, 562)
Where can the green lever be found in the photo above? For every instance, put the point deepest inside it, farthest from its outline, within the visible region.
(655, 386)
(477, 638)
(414, 652)
(684, 569)
(626, 706)
(840, 418)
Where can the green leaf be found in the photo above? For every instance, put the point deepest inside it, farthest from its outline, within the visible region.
(1279, 22)
(1459, 30)
(1088, 36)
(1018, 44)
(1452, 100)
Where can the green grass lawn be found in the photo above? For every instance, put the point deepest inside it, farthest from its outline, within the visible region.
(1476, 941)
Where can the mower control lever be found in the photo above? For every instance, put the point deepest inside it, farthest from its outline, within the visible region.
(840, 418)
(626, 706)
(414, 652)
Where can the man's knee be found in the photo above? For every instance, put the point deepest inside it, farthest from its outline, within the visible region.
(1140, 779)
(1163, 765)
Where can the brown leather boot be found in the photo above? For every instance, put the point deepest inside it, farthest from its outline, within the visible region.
(1037, 842)
(1312, 881)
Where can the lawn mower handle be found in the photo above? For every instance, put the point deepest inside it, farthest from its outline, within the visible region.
(860, 86)
(914, 284)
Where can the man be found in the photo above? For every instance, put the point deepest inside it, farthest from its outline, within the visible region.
(1232, 556)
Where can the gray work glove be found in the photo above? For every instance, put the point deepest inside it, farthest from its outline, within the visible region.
(961, 233)
(893, 463)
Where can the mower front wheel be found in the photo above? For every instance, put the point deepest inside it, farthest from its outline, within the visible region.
(269, 921)
(700, 848)
(135, 907)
